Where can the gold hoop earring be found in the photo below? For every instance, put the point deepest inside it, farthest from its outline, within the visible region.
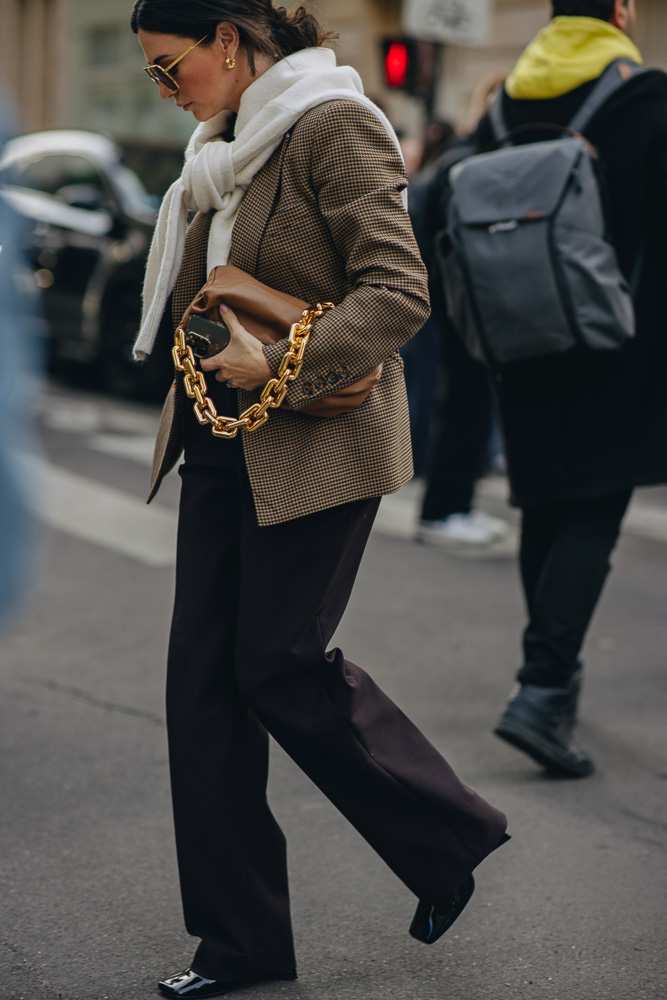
(231, 63)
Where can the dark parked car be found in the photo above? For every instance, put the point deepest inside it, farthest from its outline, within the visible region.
(90, 225)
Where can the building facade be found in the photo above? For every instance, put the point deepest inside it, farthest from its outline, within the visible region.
(75, 63)
(33, 63)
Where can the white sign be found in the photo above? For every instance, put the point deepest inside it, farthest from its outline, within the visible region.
(459, 22)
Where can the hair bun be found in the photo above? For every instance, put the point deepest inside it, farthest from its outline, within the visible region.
(296, 29)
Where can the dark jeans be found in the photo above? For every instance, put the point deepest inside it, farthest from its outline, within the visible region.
(462, 435)
(422, 361)
(255, 610)
(565, 550)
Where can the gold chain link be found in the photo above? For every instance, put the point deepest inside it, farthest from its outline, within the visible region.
(272, 394)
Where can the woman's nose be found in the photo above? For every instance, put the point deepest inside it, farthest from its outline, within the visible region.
(166, 93)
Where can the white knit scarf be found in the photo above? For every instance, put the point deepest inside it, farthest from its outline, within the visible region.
(217, 174)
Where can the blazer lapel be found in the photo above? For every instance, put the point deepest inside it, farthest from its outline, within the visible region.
(192, 274)
(255, 210)
(247, 235)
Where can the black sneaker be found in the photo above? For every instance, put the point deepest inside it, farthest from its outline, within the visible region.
(188, 984)
(539, 721)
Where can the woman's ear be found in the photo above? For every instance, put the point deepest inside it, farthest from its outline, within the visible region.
(227, 34)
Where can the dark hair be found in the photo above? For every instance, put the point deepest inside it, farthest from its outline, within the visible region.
(602, 9)
(263, 28)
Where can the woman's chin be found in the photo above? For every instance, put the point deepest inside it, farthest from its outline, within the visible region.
(200, 113)
(206, 116)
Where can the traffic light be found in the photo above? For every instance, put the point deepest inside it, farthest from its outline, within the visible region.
(410, 64)
(400, 63)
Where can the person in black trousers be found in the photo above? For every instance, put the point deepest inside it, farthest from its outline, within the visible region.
(306, 198)
(460, 453)
(581, 430)
(451, 445)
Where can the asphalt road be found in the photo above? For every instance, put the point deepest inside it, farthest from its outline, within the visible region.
(574, 908)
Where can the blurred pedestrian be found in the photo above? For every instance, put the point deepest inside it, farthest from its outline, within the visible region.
(582, 428)
(308, 199)
(452, 438)
(422, 355)
(15, 403)
(439, 135)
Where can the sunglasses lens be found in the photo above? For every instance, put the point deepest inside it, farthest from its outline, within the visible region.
(157, 74)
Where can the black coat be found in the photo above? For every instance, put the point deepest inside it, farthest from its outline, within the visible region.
(590, 424)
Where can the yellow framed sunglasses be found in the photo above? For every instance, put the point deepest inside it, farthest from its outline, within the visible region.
(162, 76)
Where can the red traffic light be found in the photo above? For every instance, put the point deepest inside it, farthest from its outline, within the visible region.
(396, 64)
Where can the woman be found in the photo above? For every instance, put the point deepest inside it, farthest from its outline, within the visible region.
(308, 199)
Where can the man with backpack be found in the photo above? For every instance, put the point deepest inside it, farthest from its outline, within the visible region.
(555, 258)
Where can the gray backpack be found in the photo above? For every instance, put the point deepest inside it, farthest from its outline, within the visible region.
(527, 263)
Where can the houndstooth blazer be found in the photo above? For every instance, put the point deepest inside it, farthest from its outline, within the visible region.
(323, 220)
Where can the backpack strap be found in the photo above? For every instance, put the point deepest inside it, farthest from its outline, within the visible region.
(497, 119)
(616, 75)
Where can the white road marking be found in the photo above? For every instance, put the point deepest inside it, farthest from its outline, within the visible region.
(399, 514)
(136, 447)
(122, 523)
(101, 514)
(86, 415)
(644, 518)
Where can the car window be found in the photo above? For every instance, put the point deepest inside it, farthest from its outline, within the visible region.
(135, 194)
(72, 179)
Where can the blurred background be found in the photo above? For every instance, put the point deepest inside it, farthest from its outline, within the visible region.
(75, 63)
(102, 149)
(575, 907)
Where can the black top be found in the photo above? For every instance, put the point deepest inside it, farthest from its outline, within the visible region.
(200, 447)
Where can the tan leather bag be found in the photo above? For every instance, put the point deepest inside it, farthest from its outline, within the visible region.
(268, 315)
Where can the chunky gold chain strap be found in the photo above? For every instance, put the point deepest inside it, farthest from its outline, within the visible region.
(273, 393)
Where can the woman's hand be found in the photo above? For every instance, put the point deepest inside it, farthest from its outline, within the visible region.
(242, 363)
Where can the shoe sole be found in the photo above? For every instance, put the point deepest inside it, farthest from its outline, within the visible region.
(547, 755)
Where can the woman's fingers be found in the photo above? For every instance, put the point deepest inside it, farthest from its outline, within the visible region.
(230, 319)
(216, 361)
(242, 364)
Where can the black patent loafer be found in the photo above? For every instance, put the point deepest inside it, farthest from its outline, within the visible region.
(431, 920)
(189, 985)
(540, 721)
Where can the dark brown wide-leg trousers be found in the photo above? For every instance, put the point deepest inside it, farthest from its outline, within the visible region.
(254, 613)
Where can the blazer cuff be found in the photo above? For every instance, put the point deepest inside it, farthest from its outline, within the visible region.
(311, 386)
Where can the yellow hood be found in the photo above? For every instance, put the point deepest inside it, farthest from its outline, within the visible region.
(570, 51)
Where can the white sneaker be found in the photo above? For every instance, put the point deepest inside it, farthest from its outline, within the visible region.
(495, 524)
(475, 528)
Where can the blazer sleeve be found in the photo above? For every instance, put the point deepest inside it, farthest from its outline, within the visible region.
(357, 176)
